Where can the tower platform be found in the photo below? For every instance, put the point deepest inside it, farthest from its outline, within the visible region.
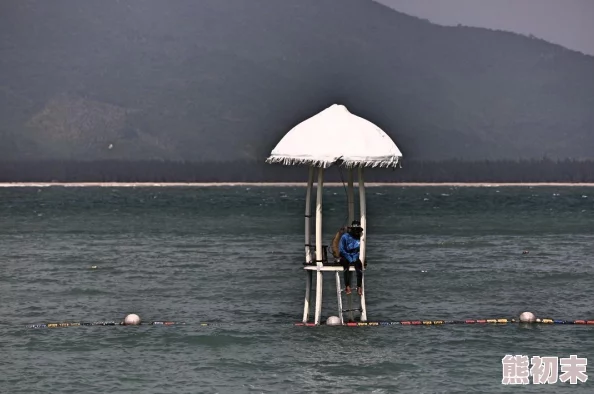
(327, 268)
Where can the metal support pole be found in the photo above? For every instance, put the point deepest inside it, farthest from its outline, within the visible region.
(339, 297)
(308, 280)
(308, 256)
(319, 251)
(308, 215)
(362, 253)
(351, 197)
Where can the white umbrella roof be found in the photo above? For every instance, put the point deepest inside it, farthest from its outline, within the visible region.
(336, 136)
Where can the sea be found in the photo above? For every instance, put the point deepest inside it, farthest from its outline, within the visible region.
(226, 265)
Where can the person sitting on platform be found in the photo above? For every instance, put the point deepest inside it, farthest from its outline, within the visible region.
(349, 254)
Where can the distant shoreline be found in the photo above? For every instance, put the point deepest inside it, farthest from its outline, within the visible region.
(285, 184)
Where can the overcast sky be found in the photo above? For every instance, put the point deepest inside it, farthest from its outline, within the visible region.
(566, 22)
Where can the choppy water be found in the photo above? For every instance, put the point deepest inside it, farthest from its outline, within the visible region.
(233, 256)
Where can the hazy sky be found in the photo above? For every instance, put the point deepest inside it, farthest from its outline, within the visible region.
(566, 22)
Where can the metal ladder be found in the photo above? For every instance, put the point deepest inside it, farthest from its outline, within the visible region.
(350, 310)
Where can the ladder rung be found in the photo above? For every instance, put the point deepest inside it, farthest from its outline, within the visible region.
(351, 310)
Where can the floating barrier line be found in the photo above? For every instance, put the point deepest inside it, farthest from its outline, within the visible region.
(467, 321)
(103, 323)
(500, 321)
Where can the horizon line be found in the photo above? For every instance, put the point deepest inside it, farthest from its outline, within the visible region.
(291, 184)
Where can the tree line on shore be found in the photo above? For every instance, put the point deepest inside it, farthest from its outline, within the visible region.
(544, 170)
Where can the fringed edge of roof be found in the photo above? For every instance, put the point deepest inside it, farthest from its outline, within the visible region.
(292, 161)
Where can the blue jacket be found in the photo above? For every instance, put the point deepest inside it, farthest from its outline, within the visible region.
(349, 247)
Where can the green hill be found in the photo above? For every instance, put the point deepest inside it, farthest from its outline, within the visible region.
(224, 80)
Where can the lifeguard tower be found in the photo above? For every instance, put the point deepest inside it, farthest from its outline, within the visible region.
(334, 137)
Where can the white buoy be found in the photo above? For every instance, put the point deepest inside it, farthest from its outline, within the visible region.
(132, 320)
(333, 321)
(527, 317)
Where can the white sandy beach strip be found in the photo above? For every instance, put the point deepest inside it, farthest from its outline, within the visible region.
(280, 184)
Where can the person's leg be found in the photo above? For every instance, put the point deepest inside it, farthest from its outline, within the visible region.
(359, 270)
(347, 275)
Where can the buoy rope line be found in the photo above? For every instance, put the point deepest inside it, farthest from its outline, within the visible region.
(105, 323)
(468, 321)
(502, 321)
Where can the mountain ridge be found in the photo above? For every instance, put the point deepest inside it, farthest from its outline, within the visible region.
(214, 81)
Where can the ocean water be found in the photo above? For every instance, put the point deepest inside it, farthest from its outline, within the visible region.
(232, 257)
